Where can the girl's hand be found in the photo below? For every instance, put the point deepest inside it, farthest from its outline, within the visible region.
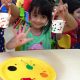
(19, 38)
(62, 11)
(6, 2)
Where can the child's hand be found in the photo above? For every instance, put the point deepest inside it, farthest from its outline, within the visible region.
(6, 2)
(62, 10)
(19, 38)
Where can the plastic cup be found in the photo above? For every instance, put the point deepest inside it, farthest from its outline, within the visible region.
(4, 20)
(57, 26)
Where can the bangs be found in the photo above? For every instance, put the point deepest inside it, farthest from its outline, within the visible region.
(38, 11)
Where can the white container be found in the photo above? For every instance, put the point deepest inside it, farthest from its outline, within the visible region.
(4, 20)
(57, 26)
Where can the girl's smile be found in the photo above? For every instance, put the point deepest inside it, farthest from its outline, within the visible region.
(37, 20)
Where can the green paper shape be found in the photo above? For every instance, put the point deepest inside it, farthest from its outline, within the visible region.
(22, 11)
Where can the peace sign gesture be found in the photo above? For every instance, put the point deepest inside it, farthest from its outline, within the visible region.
(20, 38)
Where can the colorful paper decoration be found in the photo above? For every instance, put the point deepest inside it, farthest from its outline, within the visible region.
(26, 4)
(22, 13)
(19, 3)
(4, 9)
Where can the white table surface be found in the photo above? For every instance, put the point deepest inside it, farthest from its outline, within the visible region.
(66, 62)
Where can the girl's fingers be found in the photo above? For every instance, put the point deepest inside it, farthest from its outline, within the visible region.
(61, 2)
(27, 31)
(20, 27)
(65, 7)
(24, 28)
(60, 9)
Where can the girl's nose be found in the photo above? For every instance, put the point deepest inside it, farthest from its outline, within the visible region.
(38, 20)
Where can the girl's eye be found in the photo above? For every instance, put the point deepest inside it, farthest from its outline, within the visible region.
(43, 16)
(35, 15)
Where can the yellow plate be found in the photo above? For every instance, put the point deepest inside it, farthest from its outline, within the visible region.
(26, 68)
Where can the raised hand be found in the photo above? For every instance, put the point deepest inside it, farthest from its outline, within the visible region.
(6, 2)
(61, 10)
(20, 38)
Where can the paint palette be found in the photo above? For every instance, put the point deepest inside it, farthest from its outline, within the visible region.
(57, 26)
(4, 20)
(26, 68)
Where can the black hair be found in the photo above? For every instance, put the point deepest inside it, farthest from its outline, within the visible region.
(72, 5)
(52, 2)
(42, 7)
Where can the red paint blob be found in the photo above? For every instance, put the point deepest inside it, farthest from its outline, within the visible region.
(26, 79)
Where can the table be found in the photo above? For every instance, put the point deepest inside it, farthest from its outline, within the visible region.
(66, 62)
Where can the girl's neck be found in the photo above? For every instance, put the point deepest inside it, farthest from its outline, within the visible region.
(36, 32)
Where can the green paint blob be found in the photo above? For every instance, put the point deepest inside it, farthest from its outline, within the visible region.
(29, 67)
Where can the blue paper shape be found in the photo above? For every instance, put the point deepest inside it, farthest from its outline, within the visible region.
(4, 9)
(27, 17)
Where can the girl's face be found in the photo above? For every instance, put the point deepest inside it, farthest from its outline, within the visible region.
(37, 20)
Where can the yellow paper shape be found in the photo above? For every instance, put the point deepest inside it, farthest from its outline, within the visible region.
(65, 41)
(19, 3)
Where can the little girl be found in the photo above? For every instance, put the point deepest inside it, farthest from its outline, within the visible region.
(14, 15)
(38, 35)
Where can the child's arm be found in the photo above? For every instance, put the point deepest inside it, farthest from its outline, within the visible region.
(13, 9)
(70, 20)
(70, 23)
(14, 13)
